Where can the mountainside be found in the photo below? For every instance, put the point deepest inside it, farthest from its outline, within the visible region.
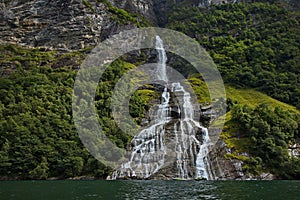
(77, 24)
(255, 45)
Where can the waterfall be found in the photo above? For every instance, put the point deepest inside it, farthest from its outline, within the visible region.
(182, 137)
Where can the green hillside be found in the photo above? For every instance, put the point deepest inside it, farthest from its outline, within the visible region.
(263, 128)
(255, 46)
(258, 129)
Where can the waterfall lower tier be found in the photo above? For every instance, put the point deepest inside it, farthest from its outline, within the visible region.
(171, 147)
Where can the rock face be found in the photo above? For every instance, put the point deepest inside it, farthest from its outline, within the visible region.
(142, 7)
(224, 168)
(60, 24)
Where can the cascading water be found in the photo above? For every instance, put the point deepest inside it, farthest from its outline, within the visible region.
(183, 137)
(188, 137)
(162, 59)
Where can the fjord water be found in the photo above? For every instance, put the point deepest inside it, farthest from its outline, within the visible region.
(110, 190)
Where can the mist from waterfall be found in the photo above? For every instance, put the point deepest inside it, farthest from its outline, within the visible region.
(190, 141)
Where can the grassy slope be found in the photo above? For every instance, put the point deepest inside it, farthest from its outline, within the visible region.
(253, 98)
(247, 96)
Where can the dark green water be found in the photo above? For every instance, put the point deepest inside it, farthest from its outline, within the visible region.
(189, 190)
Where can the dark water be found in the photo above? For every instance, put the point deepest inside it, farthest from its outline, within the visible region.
(189, 190)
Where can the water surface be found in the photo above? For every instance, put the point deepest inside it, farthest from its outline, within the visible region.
(189, 190)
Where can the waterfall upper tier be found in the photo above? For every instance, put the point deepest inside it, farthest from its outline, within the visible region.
(162, 60)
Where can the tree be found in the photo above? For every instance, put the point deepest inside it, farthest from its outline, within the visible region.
(41, 170)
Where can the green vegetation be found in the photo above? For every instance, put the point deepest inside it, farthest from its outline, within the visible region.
(14, 57)
(267, 133)
(253, 98)
(200, 89)
(254, 45)
(258, 130)
(38, 139)
(140, 103)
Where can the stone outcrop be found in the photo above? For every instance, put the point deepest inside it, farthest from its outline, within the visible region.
(207, 3)
(142, 7)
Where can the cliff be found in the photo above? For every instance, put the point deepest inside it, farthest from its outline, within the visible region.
(59, 24)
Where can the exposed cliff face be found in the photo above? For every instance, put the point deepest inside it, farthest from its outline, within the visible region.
(59, 24)
(206, 3)
(142, 7)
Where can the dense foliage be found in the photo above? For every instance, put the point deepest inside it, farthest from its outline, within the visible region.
(254, 45)
(269, 132)
(38, 138)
